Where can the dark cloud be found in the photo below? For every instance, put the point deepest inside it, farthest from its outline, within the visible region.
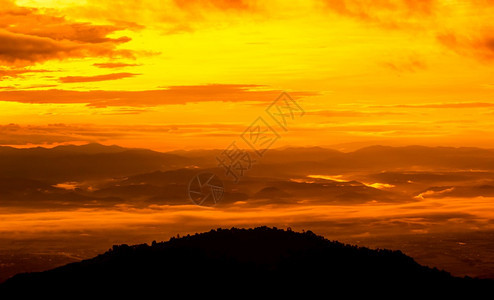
(29, 36)
(27, 49)
(478, 44)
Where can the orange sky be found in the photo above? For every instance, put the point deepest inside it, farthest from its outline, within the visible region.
(178, 74)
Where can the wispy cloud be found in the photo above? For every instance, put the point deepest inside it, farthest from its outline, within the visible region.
(165, 96)
(462, 36)
(386, 13)
(440, 105)
(18, 72)
(113, 76)
(113, 65)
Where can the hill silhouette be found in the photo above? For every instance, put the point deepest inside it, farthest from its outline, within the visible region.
(247, 259)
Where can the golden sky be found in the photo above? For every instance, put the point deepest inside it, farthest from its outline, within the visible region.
(175, 74)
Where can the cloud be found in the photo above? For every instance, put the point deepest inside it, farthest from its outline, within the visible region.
(58, 28)
(445, 20)
(463, 191)
(113, 65)
(349, 113)
(25, 49)
(126, 111)
(16, 134)
(386, 13)
(435, 192)
(29, 36)
(409, 64)
(13, 134)
(440, 105)
(17, 72)
(480, 45)
(113, 76)
(172, 16)
(19, 47)
(170, 95)
(217, 4)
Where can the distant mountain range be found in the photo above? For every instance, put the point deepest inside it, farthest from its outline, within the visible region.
(247, 259)
(95, 175)
(72, 163)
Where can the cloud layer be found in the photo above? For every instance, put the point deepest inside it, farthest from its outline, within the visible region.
(171, 95)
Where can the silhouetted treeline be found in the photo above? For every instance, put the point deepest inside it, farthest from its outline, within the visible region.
(247, 260)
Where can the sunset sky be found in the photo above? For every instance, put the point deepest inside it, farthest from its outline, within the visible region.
(194, 74)
(170, 75)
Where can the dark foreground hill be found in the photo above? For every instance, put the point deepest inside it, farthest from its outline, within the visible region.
(247, 260)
